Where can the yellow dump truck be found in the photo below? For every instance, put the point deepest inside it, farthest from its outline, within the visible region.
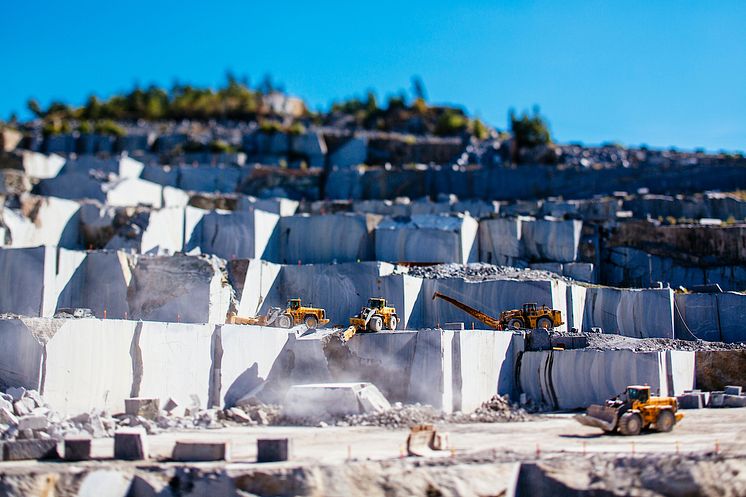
(294, 314)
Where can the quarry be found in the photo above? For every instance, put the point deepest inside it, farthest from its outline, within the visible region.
(250, 307)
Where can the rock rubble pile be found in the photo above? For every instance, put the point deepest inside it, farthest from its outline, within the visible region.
(479, 271)
(24, 415)
(496, 410)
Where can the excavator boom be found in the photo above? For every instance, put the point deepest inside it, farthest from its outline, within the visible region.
(488, 320)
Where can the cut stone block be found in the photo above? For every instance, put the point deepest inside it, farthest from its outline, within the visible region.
(273, 449)
(691, 401)
(19, 450)
(734, 401)
(77, 448)
(717, 399)
(148, 408)
(334, 399)
(733, 390)
(428, 238)
(192, 450)
(130, 444)
(31, 422)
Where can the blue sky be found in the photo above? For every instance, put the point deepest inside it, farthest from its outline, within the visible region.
(663, 73)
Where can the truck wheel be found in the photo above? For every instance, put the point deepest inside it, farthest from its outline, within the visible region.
(311, 322)
(630, 424)
(544, 323)
(284, 321)
(665, 421)
(392, 323)
(515, 324)
(375, 324)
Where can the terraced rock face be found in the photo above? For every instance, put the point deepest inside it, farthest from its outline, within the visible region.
(718, 368)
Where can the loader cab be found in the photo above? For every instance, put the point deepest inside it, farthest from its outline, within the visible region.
(294, 304)
(638, 393)
(529, 309)
(376, 303)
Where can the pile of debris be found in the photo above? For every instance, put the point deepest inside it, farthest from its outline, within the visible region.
(603, 341)
(496, 410)
(480, 271)
(24, 415)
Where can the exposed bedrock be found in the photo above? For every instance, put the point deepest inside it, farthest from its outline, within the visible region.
(574, 379)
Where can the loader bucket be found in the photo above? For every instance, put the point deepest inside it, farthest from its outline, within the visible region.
(600, 417)
(424, 440)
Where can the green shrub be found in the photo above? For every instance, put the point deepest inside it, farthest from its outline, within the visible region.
(529, 130)
(270, 127)
(221, 147)
(85, 128)
(109, 127)
(296, 128)
(450, 123)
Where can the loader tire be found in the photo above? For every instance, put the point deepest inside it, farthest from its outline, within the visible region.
(544, 323)
(375, 324)
(392, 323)
(630, 424)
(665, 421)
(515, 324)
(284, 321)
(311, 322)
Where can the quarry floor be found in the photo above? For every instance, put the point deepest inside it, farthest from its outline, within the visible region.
(703, 430)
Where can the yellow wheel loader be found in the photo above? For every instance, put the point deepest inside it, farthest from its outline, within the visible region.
(293, 315)
(633, 411)
(373, 317)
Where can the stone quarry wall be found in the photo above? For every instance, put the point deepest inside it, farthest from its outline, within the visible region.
(535, 181)
(81, 364)
(634, 267)
(574, 379)
(633, 313)
(427, 238)
(324, 239)
(716, 317)
(519, 240)
(490, 296)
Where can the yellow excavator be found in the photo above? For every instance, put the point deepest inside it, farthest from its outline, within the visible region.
(633, 411)
(530, 316)
(294, 314)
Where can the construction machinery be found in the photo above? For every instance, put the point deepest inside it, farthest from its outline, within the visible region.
(633, 411)
(373, 317)
(425, 440)
(530, 316)
(294, 314)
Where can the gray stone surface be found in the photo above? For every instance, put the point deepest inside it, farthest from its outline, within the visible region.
(148, 408)
(77, 448)
(192, 450)
(632, 313)
(574, 379)
(18, 450)
(326, 239)
(709, 316)
(273, 449)
(178, 288)
(130, 444)
(427, 238)
(333, 399)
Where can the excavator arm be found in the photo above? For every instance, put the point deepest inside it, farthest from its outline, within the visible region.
(488, 320)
